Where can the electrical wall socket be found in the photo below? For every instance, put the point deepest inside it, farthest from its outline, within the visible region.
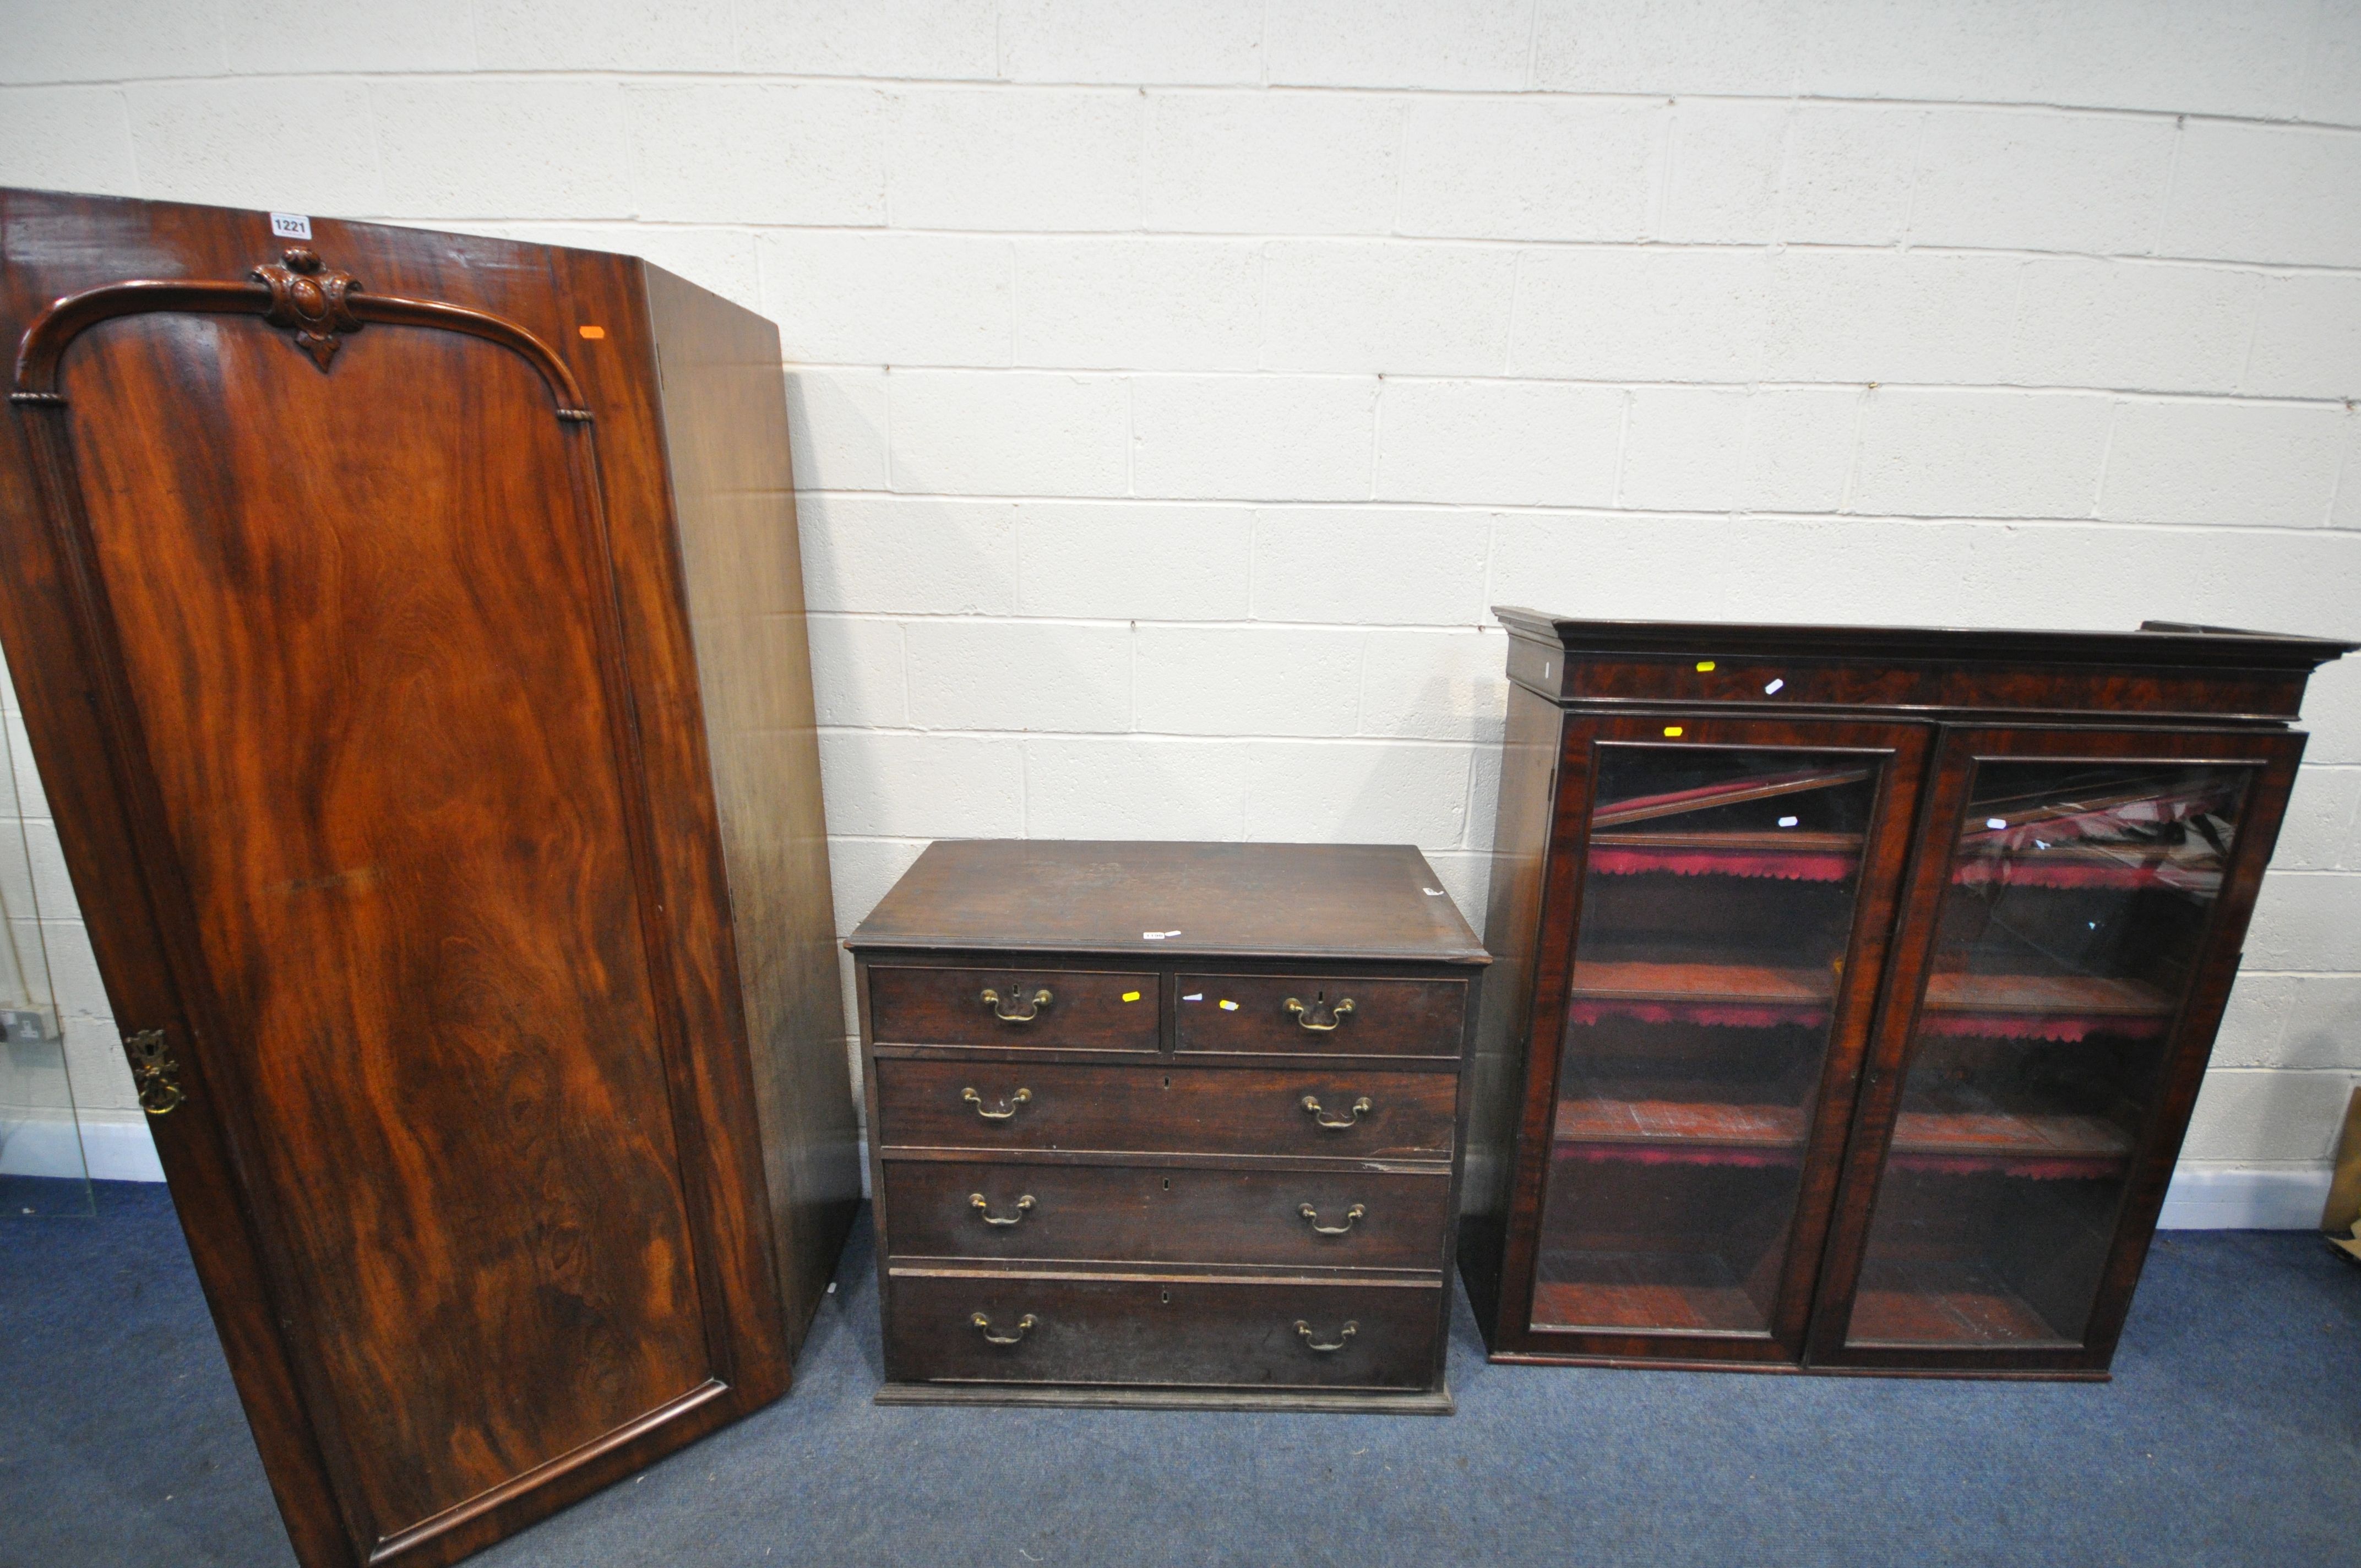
(27, 1026)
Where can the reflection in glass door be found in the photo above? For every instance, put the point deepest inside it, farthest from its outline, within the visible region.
(1717, 907)
(42, 1172)
(2075, 911)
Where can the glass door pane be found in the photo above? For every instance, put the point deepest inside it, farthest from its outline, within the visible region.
(2074, 913)
(42, 1172)
(1718, 907)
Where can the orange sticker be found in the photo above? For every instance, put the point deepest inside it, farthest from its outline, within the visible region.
(591, 331)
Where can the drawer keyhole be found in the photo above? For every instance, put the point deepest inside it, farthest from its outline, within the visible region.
(1167, 1184)
(1167, 1294)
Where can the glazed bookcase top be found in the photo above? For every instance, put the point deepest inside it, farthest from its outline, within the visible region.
(2165, 671)
(2155, 642)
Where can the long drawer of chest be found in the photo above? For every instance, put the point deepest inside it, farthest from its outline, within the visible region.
(1153, 1109)
(951, 1327)
(1318, 1219)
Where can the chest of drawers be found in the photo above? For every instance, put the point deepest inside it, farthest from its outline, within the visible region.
(1157, 1124)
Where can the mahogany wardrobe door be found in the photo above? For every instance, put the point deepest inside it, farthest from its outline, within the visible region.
(383, 918)
(2068, 940)
(1714, 923)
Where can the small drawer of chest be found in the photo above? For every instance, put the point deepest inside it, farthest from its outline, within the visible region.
(1304, 1219)
(1172, 1331)
(1292, 1014)
(1037, 1008)
(1152, 1108)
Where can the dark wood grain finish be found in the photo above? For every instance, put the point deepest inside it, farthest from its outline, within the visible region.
(357, 667)
(724, 430)
(1161, 1331)
(1240, 1111)
(1169, 1215)
(1914, 693)
(1095, 1010)
(1320, 901)
(1521, 866)
(1384, 1018)
(458, 1128)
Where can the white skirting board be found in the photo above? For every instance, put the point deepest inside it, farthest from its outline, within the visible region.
(2203, 1197)
(117, 1149)
(2246, 1197)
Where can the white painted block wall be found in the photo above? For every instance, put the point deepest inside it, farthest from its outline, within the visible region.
(1174, 385)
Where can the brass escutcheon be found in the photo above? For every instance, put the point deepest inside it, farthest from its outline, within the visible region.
(156, 1073)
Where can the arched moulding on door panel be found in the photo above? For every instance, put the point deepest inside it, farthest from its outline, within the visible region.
(348, 303)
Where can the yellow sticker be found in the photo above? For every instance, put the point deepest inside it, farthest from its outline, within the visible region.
(1131, 996)
(1704, 664)
(1672, 730)
(1229, 1007)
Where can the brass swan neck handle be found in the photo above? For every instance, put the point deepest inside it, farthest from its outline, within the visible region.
(1307, 1015)
(1007, 1107)
(983, 1206)
(1025, 1325)
(1004, 1008)
(1303, 1331)
(1352, 1215)
(1360, 1108)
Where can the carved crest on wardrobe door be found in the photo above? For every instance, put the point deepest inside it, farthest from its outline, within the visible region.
(310, 296)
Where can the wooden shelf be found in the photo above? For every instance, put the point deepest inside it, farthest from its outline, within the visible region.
(2059, 1008)
(2066, 867)
(1968, 1141)
(1934, 1302)
(1782, 842)
(2074, 994)
(1697, 1292)
(1701, 983)
(2005, 1142)
(1717, 1123)
(1946, 992)
(1730, 792)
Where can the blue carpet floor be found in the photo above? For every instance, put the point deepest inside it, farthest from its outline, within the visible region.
(2231, 1435)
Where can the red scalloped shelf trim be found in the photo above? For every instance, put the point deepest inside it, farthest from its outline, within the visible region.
(1806, 867)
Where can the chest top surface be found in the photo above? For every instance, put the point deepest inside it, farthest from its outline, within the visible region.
(1326, 901)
